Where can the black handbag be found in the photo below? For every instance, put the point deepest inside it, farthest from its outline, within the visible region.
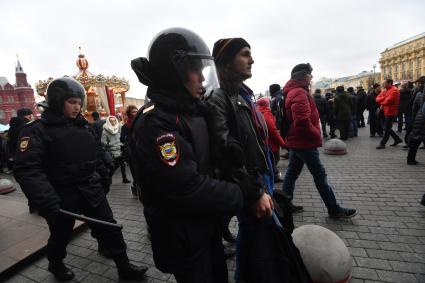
(273, 257)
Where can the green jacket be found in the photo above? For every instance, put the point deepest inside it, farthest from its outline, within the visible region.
(342, 106)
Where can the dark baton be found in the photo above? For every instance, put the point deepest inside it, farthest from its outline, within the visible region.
(89, 219)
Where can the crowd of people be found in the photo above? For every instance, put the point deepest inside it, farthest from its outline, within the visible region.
(201, 151)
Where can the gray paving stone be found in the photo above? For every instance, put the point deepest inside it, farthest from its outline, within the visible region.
(373, 263)
(399, 277)
(364, 273)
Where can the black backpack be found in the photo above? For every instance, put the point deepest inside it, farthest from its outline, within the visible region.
(285, 123)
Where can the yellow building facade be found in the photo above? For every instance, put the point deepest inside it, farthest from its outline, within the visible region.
(404, 60)
(364, 79)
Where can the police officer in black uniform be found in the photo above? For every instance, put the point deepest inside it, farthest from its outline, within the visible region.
(183, 204)
(59, 165)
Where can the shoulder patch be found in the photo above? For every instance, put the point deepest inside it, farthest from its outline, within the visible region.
(150, 108)
(167, 147)
(23, 144)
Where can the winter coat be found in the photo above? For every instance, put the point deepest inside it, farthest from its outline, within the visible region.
(59, 158)
(389, 100)
(361, 103)
(417, 104)
(418, 129)
(322, 106)
(354, 102)
(231, 121)
(342, 106)
(183, 205)
(274, 140)
(112, 142)
(371, 103)
(304, 130)
(16, 126)
(405, 96)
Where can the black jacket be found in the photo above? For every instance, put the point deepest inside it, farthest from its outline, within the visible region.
(230, 121)
(57, 157)
(322, 106)
(418, 128)
(16, 126)
(371, 103)
(169, 146)
(405, 96)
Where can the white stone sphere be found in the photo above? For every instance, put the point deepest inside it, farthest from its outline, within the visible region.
(325, 255)
(6, 186)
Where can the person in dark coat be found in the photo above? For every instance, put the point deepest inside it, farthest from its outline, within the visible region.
(58, 166)
(25, 115)
(343, 111)
(375, 123)
(170, 149)
(239, 134)
(404, 115)
(130, 114)
(322, 107)
(331, 114)
(361, 94)
(417, 135)
(354, 109)
(97, 124)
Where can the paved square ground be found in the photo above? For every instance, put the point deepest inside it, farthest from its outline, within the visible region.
(386, 239)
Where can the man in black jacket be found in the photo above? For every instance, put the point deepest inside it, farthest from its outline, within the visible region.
(58, 165)
(238, 134)
(169, 145)
(375, 122)
(322, 107)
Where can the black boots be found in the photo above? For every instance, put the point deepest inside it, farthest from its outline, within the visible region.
(128, 271)
(60, 271)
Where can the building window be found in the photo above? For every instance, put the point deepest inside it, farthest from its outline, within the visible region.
(396, 68)
(2, 116)
(14, 113)
(418, 64)
(10, 99)
(1, 99)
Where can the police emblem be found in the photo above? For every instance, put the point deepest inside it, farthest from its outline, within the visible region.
(168, 149)
(23, 145)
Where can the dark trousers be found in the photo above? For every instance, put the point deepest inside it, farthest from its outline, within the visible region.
(413, 149)
(61, 228)
(360, 119)
(407, 120)
(119, 162)
(276, 158)
(210, 267)
(344, 129)
(375, 124)
(388, 131)
(323, 124)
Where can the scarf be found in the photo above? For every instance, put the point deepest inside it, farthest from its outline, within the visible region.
(111, 129)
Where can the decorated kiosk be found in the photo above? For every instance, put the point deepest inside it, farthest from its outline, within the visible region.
(105, 95)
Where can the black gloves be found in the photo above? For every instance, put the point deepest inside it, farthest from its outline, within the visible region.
(235, 153)
(251, 189)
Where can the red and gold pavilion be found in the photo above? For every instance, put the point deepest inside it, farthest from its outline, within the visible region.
(102, 92)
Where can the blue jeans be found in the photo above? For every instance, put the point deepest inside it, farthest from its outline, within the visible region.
(353, 126)
(297, 158)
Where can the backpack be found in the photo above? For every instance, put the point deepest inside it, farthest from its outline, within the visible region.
(285, 123)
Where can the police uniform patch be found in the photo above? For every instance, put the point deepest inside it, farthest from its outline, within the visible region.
(23, 144)
(168, 149)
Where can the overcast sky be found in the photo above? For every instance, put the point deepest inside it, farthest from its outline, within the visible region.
(338, 38)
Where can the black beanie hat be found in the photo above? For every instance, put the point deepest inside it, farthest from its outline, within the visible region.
(273, 88)
(24, 112)
(350, 89)
(225, 49)
(301, 69)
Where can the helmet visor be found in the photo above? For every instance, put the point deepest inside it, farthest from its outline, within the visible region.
(198, 74)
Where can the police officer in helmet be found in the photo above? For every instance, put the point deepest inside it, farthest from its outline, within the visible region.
(183, 204)
(59, 165)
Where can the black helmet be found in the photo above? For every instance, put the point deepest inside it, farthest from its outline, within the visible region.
(172, 53)
(61, 89)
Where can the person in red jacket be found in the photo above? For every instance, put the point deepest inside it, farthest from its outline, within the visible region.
(274, 139)
(303, 139)
(389, 99)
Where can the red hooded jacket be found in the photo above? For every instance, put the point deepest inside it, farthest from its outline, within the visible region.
(389, 99)
(274, 139)
(304, 131)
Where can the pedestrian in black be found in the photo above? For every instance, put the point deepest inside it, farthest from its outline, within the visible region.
(57, 165)
(375, 123)
(404, 115)
(97, 124)
(342, 109)
(417, 135)
(322, 107)
(361, 94)
(169, 144)
(329, 96)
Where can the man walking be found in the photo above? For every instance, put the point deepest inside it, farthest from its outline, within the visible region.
(303, 140)
(389, 99)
